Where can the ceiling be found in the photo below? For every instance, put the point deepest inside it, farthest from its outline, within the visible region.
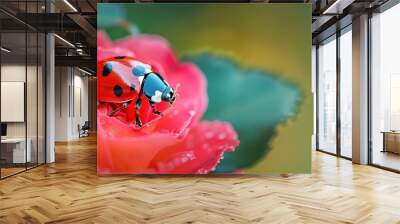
(75, 22)
(332, 15)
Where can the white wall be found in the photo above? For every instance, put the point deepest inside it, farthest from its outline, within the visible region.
(80, 103)
(71, 102)
(33, 127)
(61, 103)
(16, 73)
(11, 73)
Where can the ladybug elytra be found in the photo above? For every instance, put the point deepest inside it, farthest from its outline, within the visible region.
(123, 80)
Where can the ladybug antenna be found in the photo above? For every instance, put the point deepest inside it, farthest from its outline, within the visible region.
(175, 93)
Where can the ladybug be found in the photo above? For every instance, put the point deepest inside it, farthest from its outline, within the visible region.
(123, 80)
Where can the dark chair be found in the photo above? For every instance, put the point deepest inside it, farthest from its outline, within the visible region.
(84, 130)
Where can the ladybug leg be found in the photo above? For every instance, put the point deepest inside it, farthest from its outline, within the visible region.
(138, 104)
(124, 105)
(155, 111)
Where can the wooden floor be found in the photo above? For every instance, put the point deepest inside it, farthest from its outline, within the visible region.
(387, 159)
(69, 191)
(5, 172)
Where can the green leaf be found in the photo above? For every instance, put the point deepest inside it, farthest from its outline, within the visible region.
(116, 32)
(110, 15)
(253, 101)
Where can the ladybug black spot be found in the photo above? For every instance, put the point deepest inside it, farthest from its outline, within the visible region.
(132, 87)
(119, 57)
(107, 69)
(117, 90)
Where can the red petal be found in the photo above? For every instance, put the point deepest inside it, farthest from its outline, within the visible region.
(104, 53)
(199, 152)
(153, 50)
(191, 87)
(191, 100)
(177, 120)
(123, 149)
(102, 40)
(173, 143)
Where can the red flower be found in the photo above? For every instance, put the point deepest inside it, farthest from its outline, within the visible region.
(175, 143)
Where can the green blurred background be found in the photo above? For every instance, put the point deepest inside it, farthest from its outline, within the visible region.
(250, 44)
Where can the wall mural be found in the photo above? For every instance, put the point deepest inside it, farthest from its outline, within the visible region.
(204, 88)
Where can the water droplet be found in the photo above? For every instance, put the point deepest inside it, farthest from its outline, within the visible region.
(209, 135)
(221, 136)
(184, 159)
(202, 171)
(191, 112)
(190, 155)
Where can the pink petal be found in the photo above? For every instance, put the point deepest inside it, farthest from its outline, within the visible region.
(122, 149)
(104, 53)
(191, 102)
(178, 119)
(199, 152)
(102, 40)
(150, 49)
(173, 143)
(191, 87)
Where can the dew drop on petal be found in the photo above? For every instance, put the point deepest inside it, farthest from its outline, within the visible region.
(191, 112)
(221, 136)
(191, 156)
(209, 135)
(184, 160)
(202, 171)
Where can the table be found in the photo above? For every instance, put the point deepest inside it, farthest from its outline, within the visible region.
(18, 149)
(391, 141)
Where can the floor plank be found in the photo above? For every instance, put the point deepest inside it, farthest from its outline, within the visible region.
(69, 191)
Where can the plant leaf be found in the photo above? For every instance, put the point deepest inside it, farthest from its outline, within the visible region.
(110, 15)
(253, 101)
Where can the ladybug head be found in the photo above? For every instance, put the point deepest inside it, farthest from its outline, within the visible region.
(168, 95)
